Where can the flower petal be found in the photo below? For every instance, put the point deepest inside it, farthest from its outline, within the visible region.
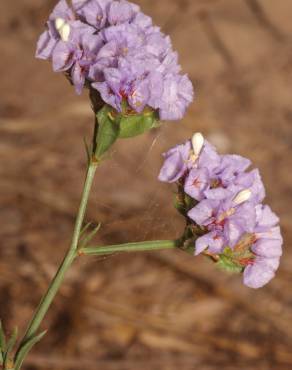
(173, 168)
(63, 57)
(268, 248)
(257, 275)
(196, 183)
(203, 212)
(45, 46)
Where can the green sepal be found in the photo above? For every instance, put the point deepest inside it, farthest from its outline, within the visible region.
(189, 246)
(190, 202)
(25, 348)
(227, 264)
(108, 131)
(183, 202)
(137, 124)
(228, 252)
(179, 204)
(188, 241)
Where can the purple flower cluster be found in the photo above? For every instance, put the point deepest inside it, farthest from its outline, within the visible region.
(114, 47)
(227, 208)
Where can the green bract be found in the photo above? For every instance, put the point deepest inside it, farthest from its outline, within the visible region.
(108, 131)
(112, 125)
(226, 263)
(7, 348)
(134, 125)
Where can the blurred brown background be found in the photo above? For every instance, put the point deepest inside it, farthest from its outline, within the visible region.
(157, 310)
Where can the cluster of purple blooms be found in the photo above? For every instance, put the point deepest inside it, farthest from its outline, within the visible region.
(228, 209)
(112, 46)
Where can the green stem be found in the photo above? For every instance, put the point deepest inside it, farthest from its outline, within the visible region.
(130, 247)
(67, 262)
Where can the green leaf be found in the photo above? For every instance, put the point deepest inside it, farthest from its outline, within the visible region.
(10, 346)
(2, 338)
(108, 131)
(25, 348)
(87, 238)
(85, 228)
(131, 126)
(227, 264)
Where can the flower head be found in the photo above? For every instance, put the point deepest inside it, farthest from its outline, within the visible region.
(113, 47)
(221, 201)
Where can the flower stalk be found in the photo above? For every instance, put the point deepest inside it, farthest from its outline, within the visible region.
(66, 264)
(130, 247)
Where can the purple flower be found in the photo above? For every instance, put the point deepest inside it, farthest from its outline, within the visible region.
(177, 95)
(142, 21)
(203, 176)
(77, 55)
(251, 180)
(118, 87)
(209, 158)
(58, 25)
(127, 37)
(175, 164)
(197, 182)
(195, 158)
(140, 59)
(93, 12)
(228, 220)
(133, 62)
(121, 12)
(223, 173)
(62, 10)
(267, 249)
(225, 223)
(45, 45)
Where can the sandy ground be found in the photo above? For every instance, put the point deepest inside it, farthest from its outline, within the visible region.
(157, 310)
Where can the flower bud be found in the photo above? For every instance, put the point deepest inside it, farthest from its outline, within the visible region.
(242, 196)
(59, 23)
(63, 28)
(197, 143)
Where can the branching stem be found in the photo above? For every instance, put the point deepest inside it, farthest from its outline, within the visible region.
(67, 262)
